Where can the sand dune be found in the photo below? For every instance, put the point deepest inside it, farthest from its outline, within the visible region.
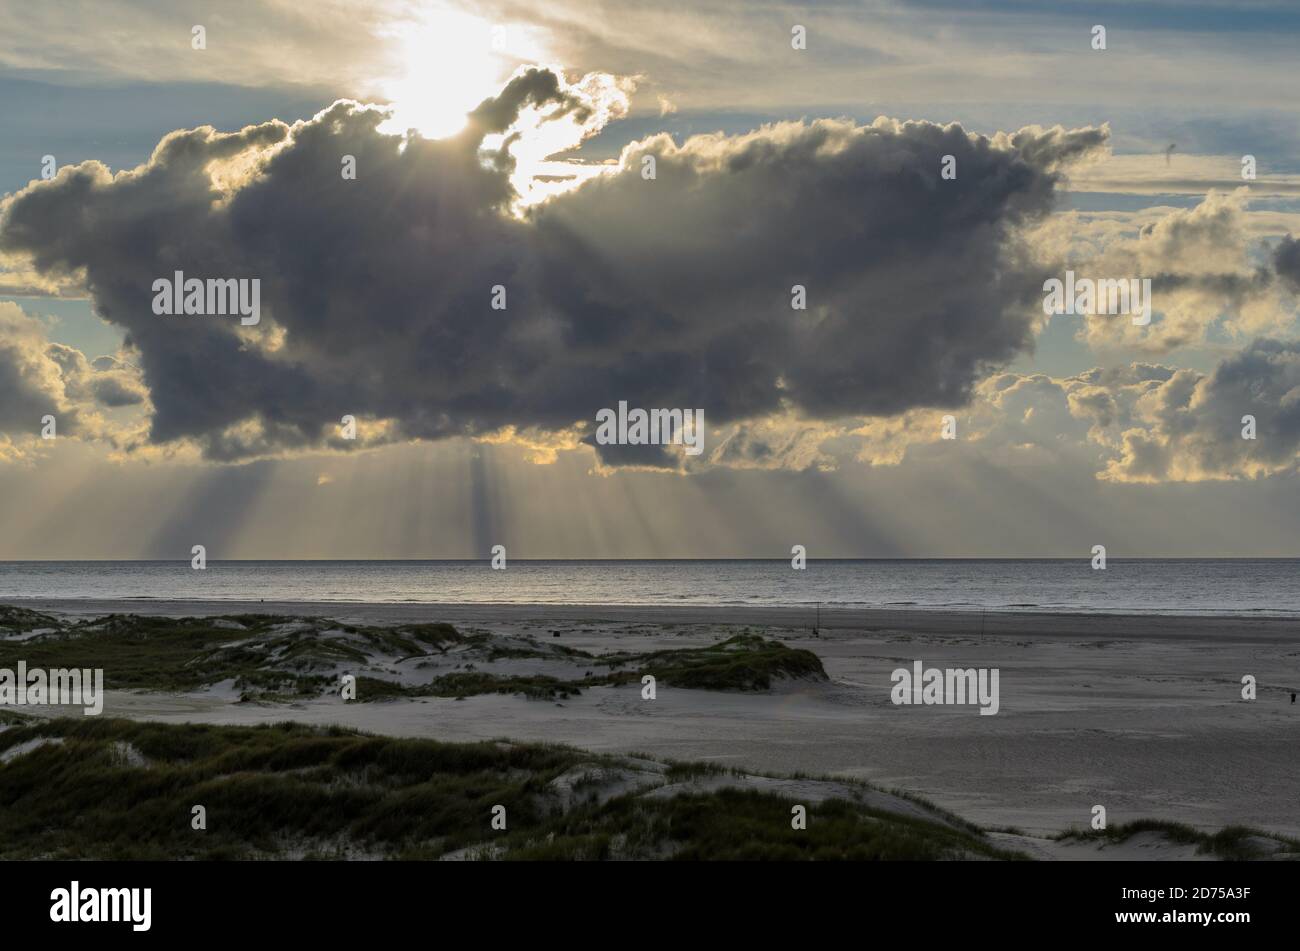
(1140, 714)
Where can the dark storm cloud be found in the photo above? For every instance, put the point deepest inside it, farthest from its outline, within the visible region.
(913, 283)
(113, 391)
(645, 456)
(672, 292)
(532, 87)
(1236, 288)
(1286, 261)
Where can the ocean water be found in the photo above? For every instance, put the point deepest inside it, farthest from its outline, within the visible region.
(1175, 586)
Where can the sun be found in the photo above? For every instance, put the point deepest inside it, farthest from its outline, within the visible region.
(445, 62)
(448, 61)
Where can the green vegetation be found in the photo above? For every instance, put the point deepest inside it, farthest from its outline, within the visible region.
(178, 654)
(678, 772)
(117, 789)
(1235, 843)
(743, 662)
(459, 685)
(273, 659)
(21, 619)
(472, 684)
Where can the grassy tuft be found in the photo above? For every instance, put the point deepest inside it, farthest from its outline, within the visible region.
(1233, 843)
(288, 790)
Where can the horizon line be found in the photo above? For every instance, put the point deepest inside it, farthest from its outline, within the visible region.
(488, 558)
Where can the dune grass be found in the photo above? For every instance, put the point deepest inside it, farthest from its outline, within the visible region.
(275, 659)
(23, 619)
(742, 662)
(1233, 843)
(289, 790)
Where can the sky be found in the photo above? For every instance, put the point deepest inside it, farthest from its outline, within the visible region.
(475, 228)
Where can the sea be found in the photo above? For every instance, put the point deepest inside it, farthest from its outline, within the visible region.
(1261, 586)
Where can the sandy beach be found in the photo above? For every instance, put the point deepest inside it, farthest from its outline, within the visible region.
(1141, 714)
